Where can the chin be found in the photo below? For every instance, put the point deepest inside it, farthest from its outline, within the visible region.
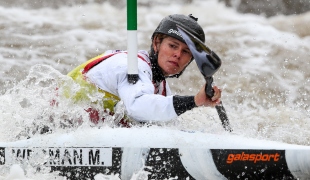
(172, 72)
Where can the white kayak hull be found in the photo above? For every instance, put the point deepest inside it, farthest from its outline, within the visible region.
(162, 153)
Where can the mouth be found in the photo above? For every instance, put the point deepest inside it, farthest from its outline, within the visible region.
(174, 63)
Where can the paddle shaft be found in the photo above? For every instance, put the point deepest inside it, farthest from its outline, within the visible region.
(219, 108)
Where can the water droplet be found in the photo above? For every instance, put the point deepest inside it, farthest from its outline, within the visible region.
(158, 158)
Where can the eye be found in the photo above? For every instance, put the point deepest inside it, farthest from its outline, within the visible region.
(187, 52)
(172, 46)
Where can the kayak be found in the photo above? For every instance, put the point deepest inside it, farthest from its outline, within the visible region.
(160, 152)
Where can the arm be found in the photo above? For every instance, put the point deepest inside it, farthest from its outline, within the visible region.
(146, 106)
(140, 101)
(184, 103)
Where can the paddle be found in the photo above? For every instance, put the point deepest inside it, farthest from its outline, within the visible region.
(208, 63)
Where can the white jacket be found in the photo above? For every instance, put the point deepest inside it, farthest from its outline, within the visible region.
(139, 99)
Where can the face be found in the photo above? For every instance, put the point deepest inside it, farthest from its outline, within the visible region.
(173, 55)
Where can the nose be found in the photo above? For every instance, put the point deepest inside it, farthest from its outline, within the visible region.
(177, 53)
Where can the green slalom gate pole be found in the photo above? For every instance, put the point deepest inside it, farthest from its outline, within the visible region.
(132, 42)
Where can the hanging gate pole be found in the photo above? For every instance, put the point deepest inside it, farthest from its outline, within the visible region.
(132, 42)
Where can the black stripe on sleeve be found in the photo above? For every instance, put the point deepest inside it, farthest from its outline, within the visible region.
(183, 103)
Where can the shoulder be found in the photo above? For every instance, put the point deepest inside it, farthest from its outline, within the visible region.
(142, 57)
(143, 54)
(118, 59)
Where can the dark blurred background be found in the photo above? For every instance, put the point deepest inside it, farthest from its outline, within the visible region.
(269, 7)
(266, 8)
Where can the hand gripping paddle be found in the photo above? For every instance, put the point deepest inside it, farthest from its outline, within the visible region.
(208, 63)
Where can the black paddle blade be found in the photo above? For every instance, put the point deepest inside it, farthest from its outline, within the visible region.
(207, 61)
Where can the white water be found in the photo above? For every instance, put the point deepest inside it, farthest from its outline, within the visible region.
(264, 76)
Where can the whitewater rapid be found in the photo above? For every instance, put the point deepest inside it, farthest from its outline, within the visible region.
(264, 75)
